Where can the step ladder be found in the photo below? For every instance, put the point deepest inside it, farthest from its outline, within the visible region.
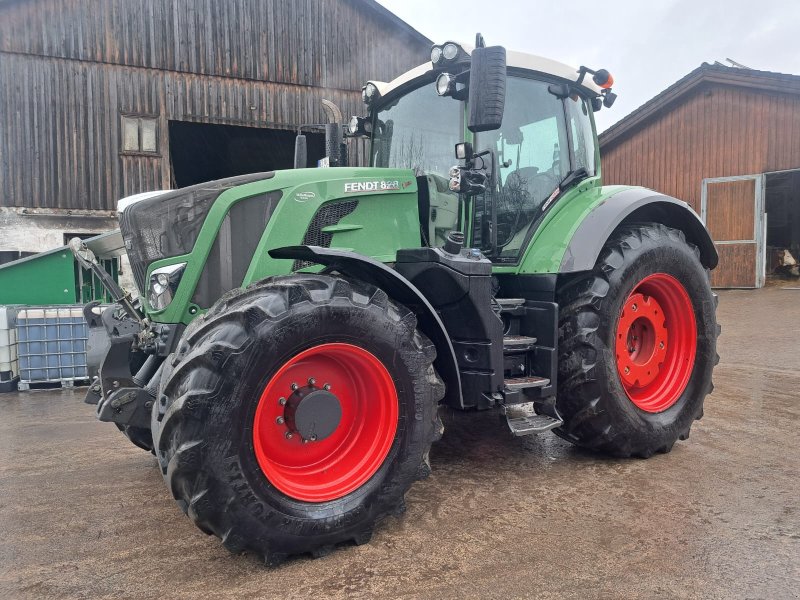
(513, 344)
(523, 420)
(517, 406)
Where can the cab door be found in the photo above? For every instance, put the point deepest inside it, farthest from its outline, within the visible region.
(542, 139)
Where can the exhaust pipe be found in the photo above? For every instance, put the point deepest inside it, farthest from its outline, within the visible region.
(335, 148)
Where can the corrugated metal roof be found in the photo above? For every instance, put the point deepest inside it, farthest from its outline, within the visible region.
(706, 73)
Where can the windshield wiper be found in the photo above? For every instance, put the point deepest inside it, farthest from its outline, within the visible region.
(572, 178)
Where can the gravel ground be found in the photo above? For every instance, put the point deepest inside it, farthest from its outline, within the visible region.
(84, 514)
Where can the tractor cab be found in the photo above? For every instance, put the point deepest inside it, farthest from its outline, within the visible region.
(522, 125)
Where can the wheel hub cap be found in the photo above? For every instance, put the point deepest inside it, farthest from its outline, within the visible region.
(313, 413)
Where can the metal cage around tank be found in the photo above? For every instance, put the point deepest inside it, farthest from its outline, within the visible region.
(51, 345)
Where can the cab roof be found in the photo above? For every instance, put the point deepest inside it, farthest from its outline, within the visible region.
(516, 60)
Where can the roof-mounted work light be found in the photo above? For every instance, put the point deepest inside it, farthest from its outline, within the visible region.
(447, 54)
(370, 93)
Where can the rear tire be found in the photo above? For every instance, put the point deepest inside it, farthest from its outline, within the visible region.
(221, 457)
(610, 398)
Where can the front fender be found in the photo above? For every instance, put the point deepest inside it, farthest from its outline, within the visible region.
(398, 288)
(630, 206)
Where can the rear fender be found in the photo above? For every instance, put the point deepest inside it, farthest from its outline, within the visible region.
(398, 288)
(634, 205)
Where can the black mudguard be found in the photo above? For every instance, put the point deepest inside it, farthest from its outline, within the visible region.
(634, 205)
(398, 288)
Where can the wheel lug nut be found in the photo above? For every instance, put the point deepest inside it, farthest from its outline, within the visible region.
(634, 307)
(279, 420)
(305, 441)
(661, 345)
(282, 401)
(294, 387)
(326, 387)
(627, 370)
(311, 381)
(313, 438)
(288, 435)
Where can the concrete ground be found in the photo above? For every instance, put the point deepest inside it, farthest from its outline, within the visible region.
(84, 514)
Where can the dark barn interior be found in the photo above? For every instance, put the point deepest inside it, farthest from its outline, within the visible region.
(202, 152)
(782, 205)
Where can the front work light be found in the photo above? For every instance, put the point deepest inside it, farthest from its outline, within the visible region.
(447, 54)
(369, 93)
(449, 51)
(163, 284)
(455, 179)
(445, 84)
(359, 126)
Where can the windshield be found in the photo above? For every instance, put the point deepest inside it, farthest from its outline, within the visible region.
(419, 131)
(542, 139)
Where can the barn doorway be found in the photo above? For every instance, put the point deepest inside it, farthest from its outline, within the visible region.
(782, 205)
(202, 152)
(733, 210)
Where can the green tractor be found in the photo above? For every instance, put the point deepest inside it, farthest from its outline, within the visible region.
(299, 331)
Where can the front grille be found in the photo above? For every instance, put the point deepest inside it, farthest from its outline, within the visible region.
(168, 224)
(327, 215)
(234, 247)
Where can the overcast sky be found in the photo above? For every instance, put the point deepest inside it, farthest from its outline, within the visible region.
(647, 45)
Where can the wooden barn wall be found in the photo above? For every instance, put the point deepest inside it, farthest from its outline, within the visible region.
(717, 131)
(70, 68)
(324, 43)
(60, 143)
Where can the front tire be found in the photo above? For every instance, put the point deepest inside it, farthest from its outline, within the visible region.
(637, 344)
(237, 436)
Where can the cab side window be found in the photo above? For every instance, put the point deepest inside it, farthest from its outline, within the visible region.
(581, 134)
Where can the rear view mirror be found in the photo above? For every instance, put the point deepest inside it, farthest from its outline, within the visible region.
(464, 151)
(487, 88)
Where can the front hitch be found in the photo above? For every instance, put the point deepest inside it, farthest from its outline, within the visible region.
(111, 354)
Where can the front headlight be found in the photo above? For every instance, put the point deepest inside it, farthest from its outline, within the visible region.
(163, 284)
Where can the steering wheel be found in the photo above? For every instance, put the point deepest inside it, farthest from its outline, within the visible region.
(523, 192)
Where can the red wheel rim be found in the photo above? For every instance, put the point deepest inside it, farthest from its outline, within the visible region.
(656, 342)
(319, 470)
